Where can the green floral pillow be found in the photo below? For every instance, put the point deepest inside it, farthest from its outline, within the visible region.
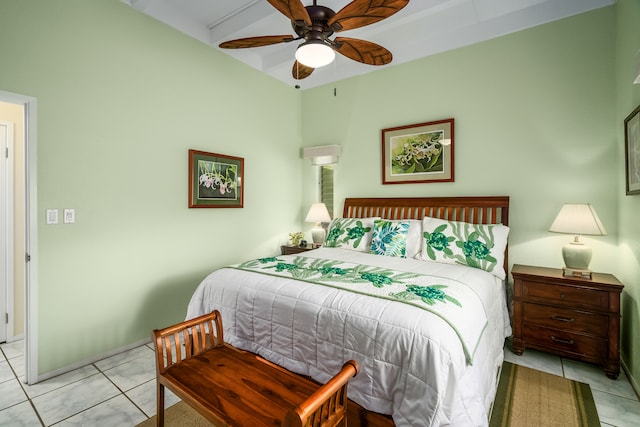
(350, 233)
(476, 245)
(390, 238)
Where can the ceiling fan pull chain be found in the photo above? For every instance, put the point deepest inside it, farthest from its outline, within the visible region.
(335, 90)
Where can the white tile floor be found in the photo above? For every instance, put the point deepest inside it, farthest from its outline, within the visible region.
(117, 391)
(120, 390)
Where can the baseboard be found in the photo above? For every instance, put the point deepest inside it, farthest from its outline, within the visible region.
(90, 360)
(632, 380)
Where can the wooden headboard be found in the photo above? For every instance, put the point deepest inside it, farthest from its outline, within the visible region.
(476, 210)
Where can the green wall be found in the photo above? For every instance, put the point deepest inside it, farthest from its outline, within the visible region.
(628, 98)
(121, 100)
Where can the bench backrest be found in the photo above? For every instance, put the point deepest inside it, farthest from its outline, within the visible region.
(187, 339)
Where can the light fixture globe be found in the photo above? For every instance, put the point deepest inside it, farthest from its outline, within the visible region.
(315, 54)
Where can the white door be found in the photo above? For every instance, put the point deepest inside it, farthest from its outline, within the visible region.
(6, 224)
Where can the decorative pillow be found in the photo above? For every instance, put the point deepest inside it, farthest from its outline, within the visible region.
(414, 238)
(390, 238)
(476, 245)
(350, 233)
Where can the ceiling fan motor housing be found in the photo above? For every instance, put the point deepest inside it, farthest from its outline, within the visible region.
(319, 29)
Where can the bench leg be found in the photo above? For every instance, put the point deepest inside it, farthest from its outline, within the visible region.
(160, 404)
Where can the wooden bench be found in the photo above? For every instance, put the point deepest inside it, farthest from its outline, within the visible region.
(230, 387)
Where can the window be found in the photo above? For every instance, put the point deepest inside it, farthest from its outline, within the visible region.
(326, 187)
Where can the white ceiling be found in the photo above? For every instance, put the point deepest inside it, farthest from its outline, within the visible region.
(422, 28)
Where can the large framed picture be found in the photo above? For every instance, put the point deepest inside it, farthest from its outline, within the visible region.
(632, 151)
(419, 153)
(215, 180)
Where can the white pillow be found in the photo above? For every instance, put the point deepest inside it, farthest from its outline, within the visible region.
(414, 237)
(350, 233)
(476, 245)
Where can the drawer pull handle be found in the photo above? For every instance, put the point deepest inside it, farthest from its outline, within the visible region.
(561, 296)
(560, 340)
(562, 319)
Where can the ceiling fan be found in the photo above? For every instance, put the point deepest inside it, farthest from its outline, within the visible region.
(315, 24)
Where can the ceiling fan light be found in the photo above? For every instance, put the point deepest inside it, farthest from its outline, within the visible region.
(315, 54)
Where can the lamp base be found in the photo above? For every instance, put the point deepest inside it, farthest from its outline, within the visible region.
(318, 235)
(576, 255)
(585, 274)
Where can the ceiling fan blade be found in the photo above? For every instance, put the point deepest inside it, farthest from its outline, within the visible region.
(300, 71)
(359, 13)
(362, 51)
(292, 9)
(255, 42)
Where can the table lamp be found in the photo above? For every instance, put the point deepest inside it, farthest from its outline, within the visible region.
(318, 213)
(577, 219)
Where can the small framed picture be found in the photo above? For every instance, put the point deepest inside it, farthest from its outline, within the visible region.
(632, 151)
(215, 180)
(419, 153)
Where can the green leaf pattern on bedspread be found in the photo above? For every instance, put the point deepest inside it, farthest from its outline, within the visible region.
(455, 302)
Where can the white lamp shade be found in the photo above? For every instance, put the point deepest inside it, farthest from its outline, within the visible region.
(318, 213)
(578, 218)
(315, 54)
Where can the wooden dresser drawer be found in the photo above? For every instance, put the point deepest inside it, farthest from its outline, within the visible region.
(580, 345)
(566, 319)
(566, 295)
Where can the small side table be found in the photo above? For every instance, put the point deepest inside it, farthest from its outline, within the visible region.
(573, 317)
(290, 250)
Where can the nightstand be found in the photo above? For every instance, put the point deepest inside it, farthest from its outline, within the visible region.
(290, 250)
(572, 317)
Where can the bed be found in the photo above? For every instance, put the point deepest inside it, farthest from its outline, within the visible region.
(425, 315)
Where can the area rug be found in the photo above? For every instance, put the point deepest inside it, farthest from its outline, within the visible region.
(527, 397)
(179, 415)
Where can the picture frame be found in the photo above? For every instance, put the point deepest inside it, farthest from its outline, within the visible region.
(632, 151)
(418, 153)
(215, 180)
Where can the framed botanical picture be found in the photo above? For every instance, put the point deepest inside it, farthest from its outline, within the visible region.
(215, 180)
(632, 151)
(419, 153)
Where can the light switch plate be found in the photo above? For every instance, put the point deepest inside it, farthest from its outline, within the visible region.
(69, 216)
(52, 216)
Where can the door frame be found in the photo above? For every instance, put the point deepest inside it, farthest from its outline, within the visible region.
(29, 104)
(7, 251)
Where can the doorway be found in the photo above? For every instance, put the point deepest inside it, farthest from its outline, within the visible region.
(18, 303)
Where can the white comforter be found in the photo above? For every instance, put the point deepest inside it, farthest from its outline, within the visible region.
(412, 362)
